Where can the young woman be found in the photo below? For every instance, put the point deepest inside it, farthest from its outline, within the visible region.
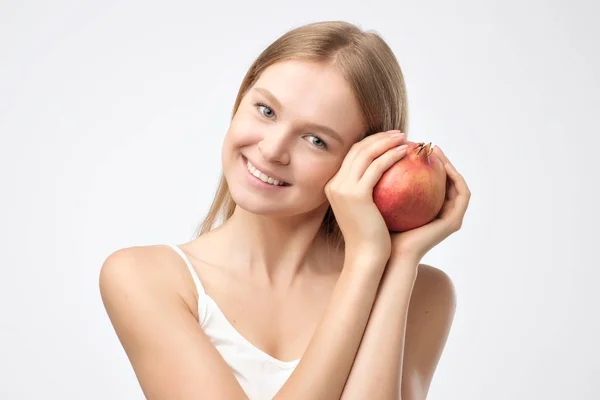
(301, 292)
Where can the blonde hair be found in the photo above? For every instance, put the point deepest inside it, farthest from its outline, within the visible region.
(369, 66)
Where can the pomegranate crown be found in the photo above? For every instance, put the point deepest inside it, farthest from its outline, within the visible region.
(422, 147)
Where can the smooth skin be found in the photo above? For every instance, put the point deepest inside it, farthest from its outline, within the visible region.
(370, 323)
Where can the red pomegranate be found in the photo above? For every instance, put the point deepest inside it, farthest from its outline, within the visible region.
(411, 192)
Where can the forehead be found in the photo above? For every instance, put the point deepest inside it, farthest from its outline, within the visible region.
(311, 92)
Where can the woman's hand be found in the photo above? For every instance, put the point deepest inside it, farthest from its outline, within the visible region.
(415, 243)
(350, 194)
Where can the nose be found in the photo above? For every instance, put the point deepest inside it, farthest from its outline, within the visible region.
(273, 147)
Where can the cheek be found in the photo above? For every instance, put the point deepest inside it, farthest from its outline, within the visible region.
(318, 174)
(243, 130)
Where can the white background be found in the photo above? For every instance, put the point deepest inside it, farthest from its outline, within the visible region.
(111, 121)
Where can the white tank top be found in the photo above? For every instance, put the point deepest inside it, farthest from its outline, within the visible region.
(260, 375)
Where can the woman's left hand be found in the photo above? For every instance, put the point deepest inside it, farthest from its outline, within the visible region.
(415, 243)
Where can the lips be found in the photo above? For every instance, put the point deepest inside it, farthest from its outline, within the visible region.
(266, 171)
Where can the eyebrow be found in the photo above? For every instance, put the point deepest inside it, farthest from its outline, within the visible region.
(325, 129)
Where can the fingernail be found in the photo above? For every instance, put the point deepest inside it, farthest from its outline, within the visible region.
(397, 134)
(403, 147)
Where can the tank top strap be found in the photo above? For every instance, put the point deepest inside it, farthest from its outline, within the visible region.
(202, 306)
(193, 272)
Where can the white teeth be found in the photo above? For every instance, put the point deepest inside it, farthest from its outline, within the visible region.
(263, 177)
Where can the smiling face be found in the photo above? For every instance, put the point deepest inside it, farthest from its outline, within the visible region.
(296, 123)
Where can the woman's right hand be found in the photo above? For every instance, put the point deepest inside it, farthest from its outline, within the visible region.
(350, 194)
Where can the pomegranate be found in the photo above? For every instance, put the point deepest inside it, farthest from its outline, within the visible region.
(411, 192)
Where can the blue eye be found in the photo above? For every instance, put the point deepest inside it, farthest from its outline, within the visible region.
(264, 106)
(323, 145)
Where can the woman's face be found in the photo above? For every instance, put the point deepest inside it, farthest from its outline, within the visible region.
(276, 128)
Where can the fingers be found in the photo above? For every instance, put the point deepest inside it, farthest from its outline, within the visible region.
(440, 154)
(370, 148)
(358, 148)
(458, 193)
(464, 194)
(381, 164)
(457, 179)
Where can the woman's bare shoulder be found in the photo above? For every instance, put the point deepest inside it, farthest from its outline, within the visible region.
(430, 316)
(155, 267)
(434, 287)
(432, 305)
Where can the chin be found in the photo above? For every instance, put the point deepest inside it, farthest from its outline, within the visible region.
(258, 207)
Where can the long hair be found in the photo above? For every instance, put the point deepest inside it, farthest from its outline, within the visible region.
(368, 65)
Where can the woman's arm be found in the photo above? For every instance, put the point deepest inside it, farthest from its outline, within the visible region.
(327, 361)
(402, 344)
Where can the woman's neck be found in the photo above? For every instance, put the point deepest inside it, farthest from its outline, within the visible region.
(276, 249)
